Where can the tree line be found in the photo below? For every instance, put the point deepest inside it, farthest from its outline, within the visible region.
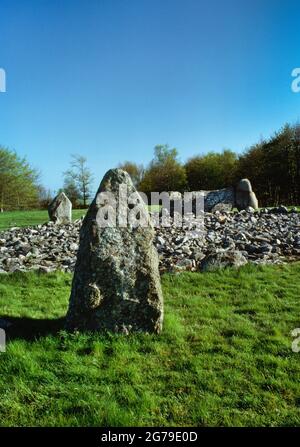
(272, 165)
(21, 188)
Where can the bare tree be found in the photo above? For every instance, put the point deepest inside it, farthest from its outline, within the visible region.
(81, 176)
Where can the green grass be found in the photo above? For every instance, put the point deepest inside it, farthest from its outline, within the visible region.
(10, 219)
(224, 357)
(290, 207)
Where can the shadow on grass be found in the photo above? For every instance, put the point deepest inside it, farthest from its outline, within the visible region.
(30, 328)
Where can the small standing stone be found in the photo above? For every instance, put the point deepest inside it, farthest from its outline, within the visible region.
(245, 196)
(60, 209)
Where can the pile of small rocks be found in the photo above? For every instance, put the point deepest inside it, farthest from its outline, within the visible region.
(269, 236)
(46, 247)
(216, 240)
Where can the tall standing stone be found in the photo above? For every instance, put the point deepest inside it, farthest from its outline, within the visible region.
(116, 285)
(60, 209)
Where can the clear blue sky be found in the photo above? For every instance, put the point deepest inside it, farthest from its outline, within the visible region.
(110, 79)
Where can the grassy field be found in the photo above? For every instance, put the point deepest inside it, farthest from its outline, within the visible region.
(10, 219)
(224, 357)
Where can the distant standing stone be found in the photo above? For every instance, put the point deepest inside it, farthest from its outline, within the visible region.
(245, 196)
(60, 209)
(116, 285)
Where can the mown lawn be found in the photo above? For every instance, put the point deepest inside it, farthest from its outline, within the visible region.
(224, 357)
(10, 219)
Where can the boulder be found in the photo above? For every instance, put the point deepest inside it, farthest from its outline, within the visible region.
(222, 259)
(116, 285)
(222, 208)
(280, 210)
(60, 209)
(244, 196)
(244, 185)
(222, 197)
(197, 201)
(253, 202)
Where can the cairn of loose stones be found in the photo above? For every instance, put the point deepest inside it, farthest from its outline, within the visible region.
(267, 236)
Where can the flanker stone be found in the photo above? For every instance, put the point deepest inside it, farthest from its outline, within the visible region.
(60, 209)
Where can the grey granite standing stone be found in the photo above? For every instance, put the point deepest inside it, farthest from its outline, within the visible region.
(116, 285)
(60, 209)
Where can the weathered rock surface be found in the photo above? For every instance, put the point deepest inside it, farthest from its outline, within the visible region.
(60, 209)
(225, 199)
(267, 236)
(116, 284)
(222, 259)
(220, 197)
(210, 201)
(253, 202)
(244, 195)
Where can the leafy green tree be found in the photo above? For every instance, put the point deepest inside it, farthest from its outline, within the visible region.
(45, 197)
(273, 166)
(211, 171)
(165, 172)
(19, 182)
